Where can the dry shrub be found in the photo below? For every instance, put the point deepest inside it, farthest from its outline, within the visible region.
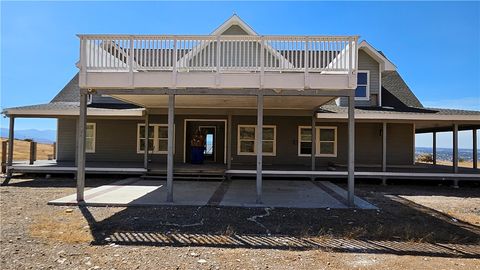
(63, 227)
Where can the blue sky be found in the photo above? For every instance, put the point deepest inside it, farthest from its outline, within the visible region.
(433, 44)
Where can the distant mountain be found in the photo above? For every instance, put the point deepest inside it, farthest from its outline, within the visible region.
(42, 136)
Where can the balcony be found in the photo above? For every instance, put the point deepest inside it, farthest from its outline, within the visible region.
(222, 62)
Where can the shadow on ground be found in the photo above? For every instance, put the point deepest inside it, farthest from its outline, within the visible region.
(400, 227)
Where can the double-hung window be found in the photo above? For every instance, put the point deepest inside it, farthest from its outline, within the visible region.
(326, 141)
(90, 138)
(157, 138)
(247, 144)
(363, 88)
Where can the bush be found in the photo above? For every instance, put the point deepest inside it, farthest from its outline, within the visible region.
(28, 140)
(427, 158)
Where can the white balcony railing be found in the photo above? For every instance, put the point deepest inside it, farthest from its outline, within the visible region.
(243, 54)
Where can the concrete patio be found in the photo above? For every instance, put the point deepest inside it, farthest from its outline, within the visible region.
(236, 193)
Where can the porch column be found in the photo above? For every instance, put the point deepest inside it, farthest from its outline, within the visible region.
(11, 140)
(229, 141)
(455, 148)
(258, 143)
(384, 147)
(384, 152)
(351, 150)
(146, 142)
(171, 117)
(434, 147)
(475, 148)
(81, 135)
(314, 140)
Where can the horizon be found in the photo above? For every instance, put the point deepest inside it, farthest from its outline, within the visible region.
(415, 53)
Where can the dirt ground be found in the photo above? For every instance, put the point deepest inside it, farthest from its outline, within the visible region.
(21, 150)
(417, 227)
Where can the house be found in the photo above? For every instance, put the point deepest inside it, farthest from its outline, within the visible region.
(258, 100)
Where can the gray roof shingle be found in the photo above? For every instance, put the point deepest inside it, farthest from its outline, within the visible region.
(398, 91)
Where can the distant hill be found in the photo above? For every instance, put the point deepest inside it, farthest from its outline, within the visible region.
(42, 136)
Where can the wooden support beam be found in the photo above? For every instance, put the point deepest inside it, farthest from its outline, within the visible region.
(171, 117)
(81, 135)
(314, 141)
(146, 143)
(455, 148)
(33, 152)
(55, 150)
(259, 148)
(229, 141)
(4, 156)
(384, 147)
(351, 150)
(434, 147)
(11, 140)
(475, 148)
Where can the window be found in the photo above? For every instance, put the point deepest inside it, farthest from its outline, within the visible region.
(246, 140)
(326, 141)
(90, 138)
(157, 138)
(363, 89)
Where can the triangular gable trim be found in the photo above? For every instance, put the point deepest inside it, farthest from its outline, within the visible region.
(385, 64)
(234, 20)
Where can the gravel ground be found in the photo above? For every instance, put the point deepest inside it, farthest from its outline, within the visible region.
(415, 229)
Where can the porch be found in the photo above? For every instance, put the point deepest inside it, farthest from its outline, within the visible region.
(218, 172)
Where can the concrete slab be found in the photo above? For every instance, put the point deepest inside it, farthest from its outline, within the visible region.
(238, 193)
(136, 192)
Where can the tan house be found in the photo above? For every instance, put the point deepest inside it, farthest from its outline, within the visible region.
(257, 100)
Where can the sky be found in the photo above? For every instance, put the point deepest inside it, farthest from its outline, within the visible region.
(433, 44)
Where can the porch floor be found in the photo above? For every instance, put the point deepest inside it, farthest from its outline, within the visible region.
(240, 193)
(417, 171)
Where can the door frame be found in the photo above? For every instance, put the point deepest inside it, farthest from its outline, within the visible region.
(204, 120)
(214, 140)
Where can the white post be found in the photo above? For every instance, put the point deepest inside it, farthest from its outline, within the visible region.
(81, 135)
(455, 148)
(351, 150)
(171, 116)
(258, 143)
(384, 147)
(146, 142)
(11, 140)
(229, 141)
(475, 149)
(434, 147)
(314, 141)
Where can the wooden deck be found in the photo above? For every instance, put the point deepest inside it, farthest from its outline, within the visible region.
(184, 171)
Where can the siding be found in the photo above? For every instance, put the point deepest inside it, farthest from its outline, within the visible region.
(116, 141)
(365, 62)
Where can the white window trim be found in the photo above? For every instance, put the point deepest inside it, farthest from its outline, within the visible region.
(155, 139)
(94, 138)
(367, 97)
(239, 153)
(317, 141)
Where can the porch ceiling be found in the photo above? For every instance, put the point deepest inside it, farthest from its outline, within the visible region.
(222, 101)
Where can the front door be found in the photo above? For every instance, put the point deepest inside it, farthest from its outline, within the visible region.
(213, 132)
(209, 133)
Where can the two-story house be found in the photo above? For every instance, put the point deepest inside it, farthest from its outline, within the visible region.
(316, 106)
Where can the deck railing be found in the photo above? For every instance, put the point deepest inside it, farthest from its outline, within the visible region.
(120, 53)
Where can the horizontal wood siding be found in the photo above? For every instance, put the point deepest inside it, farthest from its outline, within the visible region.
(365, 62)
(116, 140)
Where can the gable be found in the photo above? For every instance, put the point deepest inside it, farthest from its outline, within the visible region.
(234, 30)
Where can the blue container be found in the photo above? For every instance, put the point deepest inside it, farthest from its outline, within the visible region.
(198, 155)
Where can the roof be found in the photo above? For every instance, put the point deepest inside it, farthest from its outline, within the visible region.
(394, 90)
(54, 109)
(408, 113)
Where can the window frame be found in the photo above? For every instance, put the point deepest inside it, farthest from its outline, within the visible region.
(94, 138)
(240, 153)
(155, 138)
(367, 91)
(317, 141)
